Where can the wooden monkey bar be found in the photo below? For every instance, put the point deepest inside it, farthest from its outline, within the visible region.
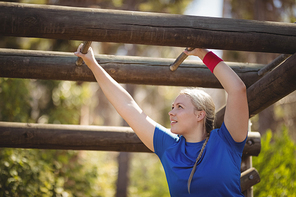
(79, 137)
(124, 69)
(103, 25)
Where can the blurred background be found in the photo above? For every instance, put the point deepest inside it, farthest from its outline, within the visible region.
(32, 172)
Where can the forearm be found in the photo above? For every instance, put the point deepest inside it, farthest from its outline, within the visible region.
(229, 79)
(114, 92)
(121, 100)
(226, 76)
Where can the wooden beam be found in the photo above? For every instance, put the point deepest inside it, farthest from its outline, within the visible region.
(276, 85)
(78, 137)
(276, 62)
(103, 25)
(135, 70)
(249, 178)
(253, 144)
(269, 89)
(247, 162)
(73, 137)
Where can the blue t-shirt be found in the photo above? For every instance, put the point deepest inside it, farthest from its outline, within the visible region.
(218, 170)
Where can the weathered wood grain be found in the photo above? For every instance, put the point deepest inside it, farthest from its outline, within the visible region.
(78, 137)
(103, 25)
(249, 178)
(134, 70)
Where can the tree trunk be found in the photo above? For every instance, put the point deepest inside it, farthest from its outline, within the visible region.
(124, 157)
(123, 174)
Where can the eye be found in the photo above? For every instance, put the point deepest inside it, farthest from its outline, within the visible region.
(180, 107)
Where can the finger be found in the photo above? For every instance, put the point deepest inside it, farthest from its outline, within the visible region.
(89, 49)
(78, 52)
(79, 48)
(191, 52)
(187, 52)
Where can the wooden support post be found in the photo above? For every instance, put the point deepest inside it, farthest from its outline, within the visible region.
(78, 137)
(135, 70)
(269, 89)
(89, 24)
(245, 166)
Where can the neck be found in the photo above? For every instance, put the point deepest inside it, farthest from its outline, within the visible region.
(197, 136)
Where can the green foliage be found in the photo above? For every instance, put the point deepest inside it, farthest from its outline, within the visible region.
(147, 178)
(64, 102)
(276, 166)
(15, 100)
(45, 173)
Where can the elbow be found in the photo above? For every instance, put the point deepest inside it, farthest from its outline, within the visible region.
(239, 89)
(242, 87)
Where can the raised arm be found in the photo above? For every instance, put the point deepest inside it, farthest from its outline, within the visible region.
(237, 113)
(124, 104)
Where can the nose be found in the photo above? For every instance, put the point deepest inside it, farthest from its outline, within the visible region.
(171, 113)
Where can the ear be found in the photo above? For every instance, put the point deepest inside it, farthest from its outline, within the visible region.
(200, 115)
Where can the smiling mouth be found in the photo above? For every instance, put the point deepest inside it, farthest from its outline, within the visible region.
(173, 122)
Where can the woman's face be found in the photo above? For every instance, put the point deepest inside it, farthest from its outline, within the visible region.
(183, 116)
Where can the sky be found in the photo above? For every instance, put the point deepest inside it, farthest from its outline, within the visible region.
(208, 8)
(211, 8)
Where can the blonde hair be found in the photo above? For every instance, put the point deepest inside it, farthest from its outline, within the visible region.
(202, 102)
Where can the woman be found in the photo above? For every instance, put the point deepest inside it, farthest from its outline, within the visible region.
(198, 161)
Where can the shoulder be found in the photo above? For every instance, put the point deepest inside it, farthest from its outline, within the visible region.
(163, 138)
(163, 134)
(225, 135)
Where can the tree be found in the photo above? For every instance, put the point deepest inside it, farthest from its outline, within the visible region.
(276, 164)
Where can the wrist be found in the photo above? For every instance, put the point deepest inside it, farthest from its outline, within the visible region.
(201, 53)
(211, 60)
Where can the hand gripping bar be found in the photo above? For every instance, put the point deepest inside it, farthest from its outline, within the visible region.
(84, 49)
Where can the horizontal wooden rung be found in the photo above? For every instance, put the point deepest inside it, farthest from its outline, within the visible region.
(124, 69)
(105, 25)
(78, 137)
(249, 178)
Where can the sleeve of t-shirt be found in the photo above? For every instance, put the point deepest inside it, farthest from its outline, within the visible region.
(227, 138)
(162, 139)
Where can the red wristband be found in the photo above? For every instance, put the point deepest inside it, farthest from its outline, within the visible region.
(211, 60)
